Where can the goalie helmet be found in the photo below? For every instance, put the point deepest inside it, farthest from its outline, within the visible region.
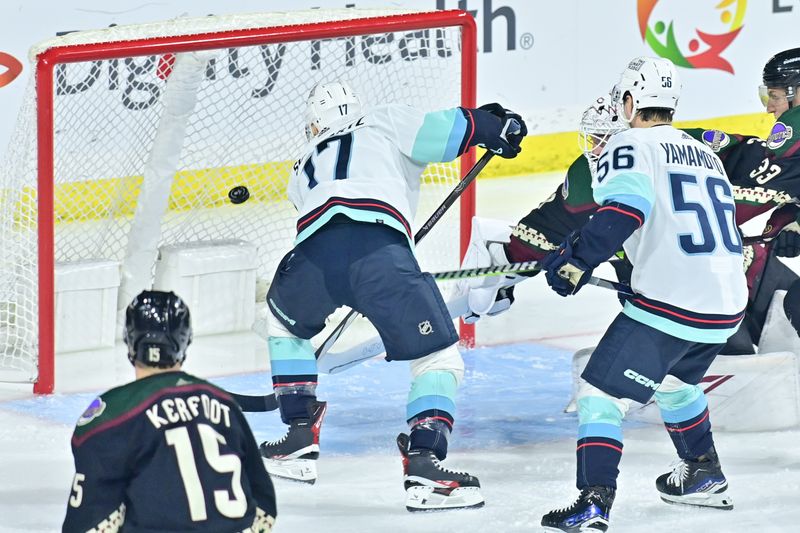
(329, 103)
(781, 71)
(158, 329)
(651, 82)
(598, 123)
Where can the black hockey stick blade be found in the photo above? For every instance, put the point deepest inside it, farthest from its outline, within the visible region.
(255, 404)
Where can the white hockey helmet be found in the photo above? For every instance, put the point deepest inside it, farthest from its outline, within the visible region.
(598, 123)
(329, 103)
(651, 82)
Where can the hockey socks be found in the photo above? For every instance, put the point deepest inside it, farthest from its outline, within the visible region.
(685, 414)
(598, 461)
(430, 410)
(294, 376)
(696, 479)
(599, 447)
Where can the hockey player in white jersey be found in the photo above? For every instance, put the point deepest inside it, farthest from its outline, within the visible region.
(664, 197)
(356, 189)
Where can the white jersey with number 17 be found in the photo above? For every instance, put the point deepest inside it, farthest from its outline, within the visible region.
(369, 169)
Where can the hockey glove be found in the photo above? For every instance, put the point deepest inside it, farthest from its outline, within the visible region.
(565, 273)
(787, 243)
(783, 231)
(494, 294)
(499, 130)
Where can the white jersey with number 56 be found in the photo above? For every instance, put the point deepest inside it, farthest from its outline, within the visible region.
(687, 255)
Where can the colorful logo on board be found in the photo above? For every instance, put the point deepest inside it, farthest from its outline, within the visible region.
(10, 68)
(702, 50)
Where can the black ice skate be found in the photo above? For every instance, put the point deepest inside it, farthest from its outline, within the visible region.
(294, 456)
(429, 487)
(590, 512)
(698, 483)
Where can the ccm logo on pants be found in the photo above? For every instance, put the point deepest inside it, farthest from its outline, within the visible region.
(640, 379)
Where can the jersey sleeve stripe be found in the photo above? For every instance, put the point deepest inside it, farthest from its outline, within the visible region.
(467, 140)
(439, 138)
(626, 184)
(638, 217)
(635, 202)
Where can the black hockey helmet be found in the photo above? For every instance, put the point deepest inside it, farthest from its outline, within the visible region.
(783, 71)
(158, 329)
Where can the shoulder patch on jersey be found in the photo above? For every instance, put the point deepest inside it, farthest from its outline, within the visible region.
(779, 135)
(94, 410)
(716, 139)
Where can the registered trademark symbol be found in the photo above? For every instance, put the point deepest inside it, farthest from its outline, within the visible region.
(526, 40)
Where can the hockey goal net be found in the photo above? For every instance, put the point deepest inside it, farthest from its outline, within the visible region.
(130, 138)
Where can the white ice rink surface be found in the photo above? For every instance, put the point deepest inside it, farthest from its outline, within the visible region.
(510, 430)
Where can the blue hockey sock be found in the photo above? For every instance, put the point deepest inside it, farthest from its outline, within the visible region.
(686, 417)
(599, 448)
(430, 411)
(294, 376)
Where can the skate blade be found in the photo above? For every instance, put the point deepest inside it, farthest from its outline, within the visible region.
(299, 470)
(598, 525)
(582, 529)
(426, 499)
(715, 500)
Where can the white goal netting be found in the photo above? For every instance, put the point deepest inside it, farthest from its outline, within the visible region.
(147, 144)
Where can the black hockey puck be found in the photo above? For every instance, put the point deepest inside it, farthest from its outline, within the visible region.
(239, 194)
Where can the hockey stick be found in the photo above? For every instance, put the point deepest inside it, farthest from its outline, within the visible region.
(255, 404)
(756, 239)
(269, 402)
(333, 363)
(526, 266)
(421, 233)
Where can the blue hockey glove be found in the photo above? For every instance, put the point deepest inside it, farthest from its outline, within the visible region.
(502, 138)
(564, 273)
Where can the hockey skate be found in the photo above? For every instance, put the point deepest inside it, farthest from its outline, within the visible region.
(429, 487)
(294, 456)
(696, 483)
(590, 512)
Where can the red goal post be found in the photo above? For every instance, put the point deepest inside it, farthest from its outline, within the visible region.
(234, 36)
